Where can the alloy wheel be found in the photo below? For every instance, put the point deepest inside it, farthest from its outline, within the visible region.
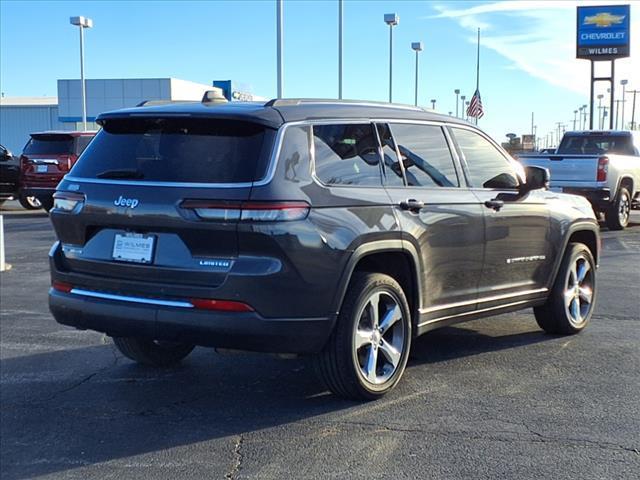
(624, 208)
(379, 338)
(578, 292)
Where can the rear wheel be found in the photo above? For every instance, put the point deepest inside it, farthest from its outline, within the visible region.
(572, 299)
(617, 216)
(368, 350)
(152, 352)
(29, 203)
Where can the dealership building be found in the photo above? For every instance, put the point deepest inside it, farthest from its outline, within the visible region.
(20, 116)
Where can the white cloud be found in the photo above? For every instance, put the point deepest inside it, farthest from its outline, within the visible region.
(539, 38)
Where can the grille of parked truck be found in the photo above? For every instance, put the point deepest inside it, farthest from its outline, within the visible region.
(339, 230)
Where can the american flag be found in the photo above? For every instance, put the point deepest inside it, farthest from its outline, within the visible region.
(474, 109)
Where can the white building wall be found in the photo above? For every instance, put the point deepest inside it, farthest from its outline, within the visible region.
(18, 121)
(185, 90)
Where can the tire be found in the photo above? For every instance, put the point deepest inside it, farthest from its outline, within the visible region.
(344, 365)
(47, 203)
(151, 352)
(29, 203)
(561, 314)
(618, 214)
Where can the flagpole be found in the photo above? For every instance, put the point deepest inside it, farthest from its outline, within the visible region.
(478, 70)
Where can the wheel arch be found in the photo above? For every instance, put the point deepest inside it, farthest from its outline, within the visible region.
(392, 257)
(587, 233)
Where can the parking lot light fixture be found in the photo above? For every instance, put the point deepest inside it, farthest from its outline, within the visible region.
(457, 92)
(433, 103)
(82, 23)
(417, 47)
(392, 20)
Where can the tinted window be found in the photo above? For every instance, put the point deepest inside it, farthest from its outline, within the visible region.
(49, 145)
(425, 155)
(392, 169)
(596, 145)
(346, 154)
(81, 143)
(486, 166)
(294, 155)
(177, 150)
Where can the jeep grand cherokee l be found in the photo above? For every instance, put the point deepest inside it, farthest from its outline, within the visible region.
(337, 229)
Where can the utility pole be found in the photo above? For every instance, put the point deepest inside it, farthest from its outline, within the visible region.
(633, 109)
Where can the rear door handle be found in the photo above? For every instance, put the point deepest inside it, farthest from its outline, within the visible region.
(495, 204)
(411, 204)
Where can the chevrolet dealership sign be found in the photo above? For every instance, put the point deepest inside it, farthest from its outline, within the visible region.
(603, 32)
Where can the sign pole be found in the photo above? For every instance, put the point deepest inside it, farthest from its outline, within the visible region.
(613, 83)
(591, 98)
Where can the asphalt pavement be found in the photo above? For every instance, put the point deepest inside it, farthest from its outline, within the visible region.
(489, 399)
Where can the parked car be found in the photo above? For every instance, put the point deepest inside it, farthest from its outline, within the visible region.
(9, 175)
(47, 157)
(603, 166)
(336, 229)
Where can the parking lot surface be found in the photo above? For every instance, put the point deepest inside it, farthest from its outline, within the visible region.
(493, 398)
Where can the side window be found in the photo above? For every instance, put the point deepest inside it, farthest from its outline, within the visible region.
(486, 166)
(393, 170)
(346, 154)
(425, 155)
(294, 154)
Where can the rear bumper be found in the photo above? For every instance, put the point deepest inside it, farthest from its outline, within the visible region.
(600, 198)
(243, 331)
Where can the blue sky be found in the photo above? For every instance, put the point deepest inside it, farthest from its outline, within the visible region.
(527, 57)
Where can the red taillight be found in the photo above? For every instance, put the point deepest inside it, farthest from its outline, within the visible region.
(220, 305)
(66, 162)
(68, 201)
(603, 169)
(248, 211)
(63, 287)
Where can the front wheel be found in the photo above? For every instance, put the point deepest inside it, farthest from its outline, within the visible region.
(572, 300)
(152, 352)
(617, 216)
(368, 350)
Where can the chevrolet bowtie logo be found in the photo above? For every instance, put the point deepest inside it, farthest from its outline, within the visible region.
(603, 19)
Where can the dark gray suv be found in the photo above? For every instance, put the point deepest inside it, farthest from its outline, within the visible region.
(337, 229)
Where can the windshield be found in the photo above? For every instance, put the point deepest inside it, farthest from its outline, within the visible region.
(49, 145)
(177, 150)
(596, 144)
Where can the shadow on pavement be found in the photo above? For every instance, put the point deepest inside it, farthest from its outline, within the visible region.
(72, 408)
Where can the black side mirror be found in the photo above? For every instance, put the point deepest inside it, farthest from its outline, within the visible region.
(537, 178)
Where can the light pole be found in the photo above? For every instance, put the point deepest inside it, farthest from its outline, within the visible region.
(433, 104)
(417, 47)
(633, 111)
(584, 115)
(617, 112)
(466, 116)
(280, 41)
(392, 20)
(82, 23)
(462, 110)
(600, 97)
(623, 82)
(575, 118)
(457, 92)
(340, 49)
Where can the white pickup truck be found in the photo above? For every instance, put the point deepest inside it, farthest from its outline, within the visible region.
(603, 166)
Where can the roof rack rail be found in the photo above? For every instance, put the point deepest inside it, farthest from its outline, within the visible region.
(282, 102)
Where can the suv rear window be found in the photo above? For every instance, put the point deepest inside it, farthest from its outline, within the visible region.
(49, 145)
(189, 150)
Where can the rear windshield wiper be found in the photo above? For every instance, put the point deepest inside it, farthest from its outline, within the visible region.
(121, 173)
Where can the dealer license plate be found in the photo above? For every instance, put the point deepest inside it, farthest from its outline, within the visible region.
(41, 169)
(133, 247)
